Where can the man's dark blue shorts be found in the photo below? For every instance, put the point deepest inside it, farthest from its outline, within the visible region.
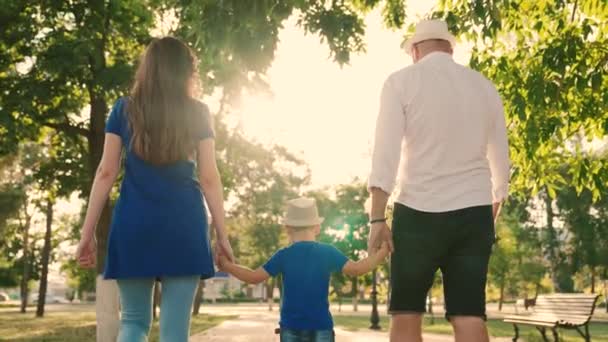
(458, 243)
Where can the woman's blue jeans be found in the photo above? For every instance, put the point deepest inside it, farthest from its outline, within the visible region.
(136, 308)
(288, 335)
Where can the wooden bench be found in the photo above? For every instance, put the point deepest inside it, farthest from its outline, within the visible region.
(567, 311)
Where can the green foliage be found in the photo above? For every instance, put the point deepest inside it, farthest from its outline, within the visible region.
(516, 266)
(260, 180)
(549, 61)
(345, 225)
(236, 40)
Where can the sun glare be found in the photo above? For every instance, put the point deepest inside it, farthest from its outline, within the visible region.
(323, 112)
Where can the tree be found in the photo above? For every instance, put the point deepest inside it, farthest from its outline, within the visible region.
(549, 62)
(586, 221)
(502, 270)
(60, 58)
(345, 225)
(272, 176)
(62, 62)
(20, 185)
(517, 261)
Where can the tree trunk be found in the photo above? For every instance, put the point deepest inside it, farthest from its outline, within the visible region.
(156, 300)
(430, 305)
(502, 295)
(46, 256)
(592, 279)
(25, 278)
(606, 294)
(198, 298)
(355, 294)
(99, 109)
(270, 293)
(552, 243)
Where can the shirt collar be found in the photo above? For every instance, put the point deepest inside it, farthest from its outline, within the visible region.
(437, 55)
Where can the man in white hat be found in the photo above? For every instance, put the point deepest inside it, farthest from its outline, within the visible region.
(445, 124)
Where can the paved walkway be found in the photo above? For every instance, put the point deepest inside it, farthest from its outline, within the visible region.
(256, 324)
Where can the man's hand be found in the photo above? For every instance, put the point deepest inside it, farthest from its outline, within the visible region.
(379, 233)
(496, 210)
(382, 253)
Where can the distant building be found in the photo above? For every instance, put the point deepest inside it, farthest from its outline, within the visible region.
(224, 285)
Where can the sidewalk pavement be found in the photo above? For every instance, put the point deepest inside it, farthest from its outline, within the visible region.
(254, 325)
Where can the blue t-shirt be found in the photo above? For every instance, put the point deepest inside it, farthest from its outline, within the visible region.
(306, 267)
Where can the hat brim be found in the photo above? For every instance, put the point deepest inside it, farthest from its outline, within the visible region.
(303, 223)
(415, 39)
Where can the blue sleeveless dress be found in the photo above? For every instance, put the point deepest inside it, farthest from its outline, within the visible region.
(159, 225)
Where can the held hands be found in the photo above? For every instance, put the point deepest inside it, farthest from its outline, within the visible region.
(379, 237)
(222, 261)
(223, 252)
(381, 253)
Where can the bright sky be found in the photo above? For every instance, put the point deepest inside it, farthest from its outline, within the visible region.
(324, 113)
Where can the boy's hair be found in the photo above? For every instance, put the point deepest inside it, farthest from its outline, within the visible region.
(301, 228)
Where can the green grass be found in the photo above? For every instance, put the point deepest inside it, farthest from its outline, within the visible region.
(497, 328)
(73, 327)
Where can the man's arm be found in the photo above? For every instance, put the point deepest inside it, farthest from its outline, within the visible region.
(357, 268)
(390, 130)
(379, 231)
(498, 155)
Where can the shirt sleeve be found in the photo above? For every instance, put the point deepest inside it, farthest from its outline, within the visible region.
(116, 118)
(336, 259)
(206, 125)
(274, 265)
(498, 150)
(390, 129)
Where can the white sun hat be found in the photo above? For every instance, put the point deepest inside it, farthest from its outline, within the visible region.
(429, 29)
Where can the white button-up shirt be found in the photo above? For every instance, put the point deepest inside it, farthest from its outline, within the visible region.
(446, 124)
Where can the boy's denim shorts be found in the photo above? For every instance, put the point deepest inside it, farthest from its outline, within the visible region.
(289, 335)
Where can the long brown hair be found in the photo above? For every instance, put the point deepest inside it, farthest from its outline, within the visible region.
(162, 108)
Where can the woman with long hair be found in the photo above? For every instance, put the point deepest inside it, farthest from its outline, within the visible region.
(159, 226)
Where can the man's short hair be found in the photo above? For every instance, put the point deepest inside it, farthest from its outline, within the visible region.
(434, 45)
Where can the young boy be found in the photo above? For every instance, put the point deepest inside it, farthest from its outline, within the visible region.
(306, 266)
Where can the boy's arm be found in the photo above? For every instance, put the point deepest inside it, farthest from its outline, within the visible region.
(245, 274)
(357, 268)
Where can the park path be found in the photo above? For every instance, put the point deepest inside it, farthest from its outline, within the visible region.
(257, 325)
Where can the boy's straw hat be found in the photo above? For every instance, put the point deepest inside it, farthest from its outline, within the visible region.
(302, 212)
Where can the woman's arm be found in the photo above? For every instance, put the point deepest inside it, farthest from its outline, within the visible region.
(106, 175)
(209, 177)
(357, 268)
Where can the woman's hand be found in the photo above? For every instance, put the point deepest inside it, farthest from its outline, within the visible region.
(222, 247)
(222, 261)
(86, 254)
